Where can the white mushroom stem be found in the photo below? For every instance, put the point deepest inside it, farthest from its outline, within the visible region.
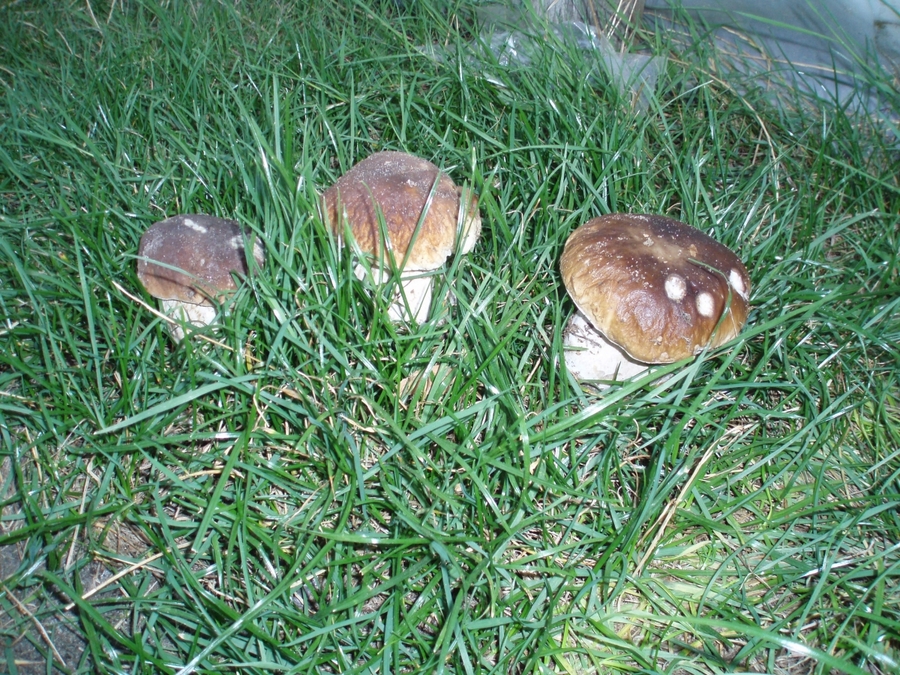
(198, 315)
(589, 356)
(412, 300)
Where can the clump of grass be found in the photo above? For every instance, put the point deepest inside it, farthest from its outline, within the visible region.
(316, 489)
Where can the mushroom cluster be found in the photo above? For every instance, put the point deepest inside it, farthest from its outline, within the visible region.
(188, 262)
(404, 214)
(649, 290)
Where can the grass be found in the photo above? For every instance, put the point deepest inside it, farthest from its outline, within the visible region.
(315, 489)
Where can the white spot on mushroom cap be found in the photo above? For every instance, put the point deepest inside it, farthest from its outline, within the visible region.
(675, 288)
(737, 282)
(705, 304)
(194, 225)
(236, 242)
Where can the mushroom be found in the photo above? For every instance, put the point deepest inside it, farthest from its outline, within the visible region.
(421, 212)
(649, 290)
(187, 261)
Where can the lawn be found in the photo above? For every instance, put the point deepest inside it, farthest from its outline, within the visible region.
(307, 487)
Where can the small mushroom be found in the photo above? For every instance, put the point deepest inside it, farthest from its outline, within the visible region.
(186, 261)
(420, 210)
(649, 289)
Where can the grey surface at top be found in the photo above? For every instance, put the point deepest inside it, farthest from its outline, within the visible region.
(818, 47)
(819, 35)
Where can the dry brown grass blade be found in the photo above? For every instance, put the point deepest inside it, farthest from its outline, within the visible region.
(123, 572)
(37, 624)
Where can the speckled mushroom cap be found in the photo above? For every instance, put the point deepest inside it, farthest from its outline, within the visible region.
(399, 185)
(655, 286)
(197, 253)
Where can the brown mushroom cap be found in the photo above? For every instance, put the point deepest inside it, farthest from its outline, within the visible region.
(399, 186)
(197, 253)
(654, 286)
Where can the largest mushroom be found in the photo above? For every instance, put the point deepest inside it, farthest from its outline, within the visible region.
(405, 214)
(649, 290)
